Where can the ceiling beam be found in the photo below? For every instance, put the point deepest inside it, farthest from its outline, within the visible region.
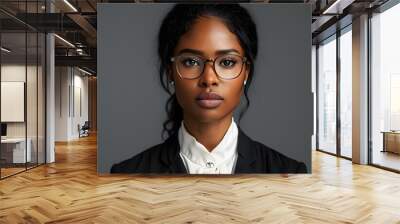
(85, 61)
(337, 7)
(86, 26)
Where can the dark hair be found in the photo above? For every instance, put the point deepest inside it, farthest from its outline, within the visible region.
(177, 22)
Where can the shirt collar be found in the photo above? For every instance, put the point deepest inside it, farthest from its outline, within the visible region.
(197, 153)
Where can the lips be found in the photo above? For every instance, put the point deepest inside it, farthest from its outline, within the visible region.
(209, 96)
(209, 100)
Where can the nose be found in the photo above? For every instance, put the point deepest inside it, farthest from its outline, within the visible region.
(208, 78)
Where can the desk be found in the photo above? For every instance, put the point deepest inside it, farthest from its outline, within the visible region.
(391, 141)
(15, 148)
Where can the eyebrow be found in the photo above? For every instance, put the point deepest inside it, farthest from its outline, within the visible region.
(219, 52)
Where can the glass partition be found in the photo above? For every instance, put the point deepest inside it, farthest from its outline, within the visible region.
(41, 91)
(22, 77)
(31, 99)
(14, 153)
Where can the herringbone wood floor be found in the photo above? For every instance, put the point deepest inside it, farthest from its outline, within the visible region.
(70, 191)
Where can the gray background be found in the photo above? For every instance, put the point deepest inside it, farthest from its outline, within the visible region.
(131, 101)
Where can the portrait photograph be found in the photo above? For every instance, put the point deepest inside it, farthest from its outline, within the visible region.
(206, 88)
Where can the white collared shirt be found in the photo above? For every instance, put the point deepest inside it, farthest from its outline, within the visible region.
(198, 160)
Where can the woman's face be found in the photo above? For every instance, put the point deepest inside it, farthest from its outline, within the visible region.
(208, 38)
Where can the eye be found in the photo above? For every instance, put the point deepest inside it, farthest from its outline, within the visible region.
(190, 62)
(227, 62)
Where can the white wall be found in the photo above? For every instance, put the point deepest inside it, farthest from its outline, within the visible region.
(12, 73)
(71, 93)
(62, 81)
(17, 73)
(33, 126)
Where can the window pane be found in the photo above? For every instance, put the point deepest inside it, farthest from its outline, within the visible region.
(327, 96)
(313, 88)
(41, 98)
(31, 100)
(346, 94)
(385, 93)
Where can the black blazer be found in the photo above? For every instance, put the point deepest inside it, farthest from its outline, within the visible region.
(253, 157)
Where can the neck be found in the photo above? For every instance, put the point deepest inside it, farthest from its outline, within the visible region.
(209, 134)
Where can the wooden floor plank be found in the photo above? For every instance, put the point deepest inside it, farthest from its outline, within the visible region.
(70, 191)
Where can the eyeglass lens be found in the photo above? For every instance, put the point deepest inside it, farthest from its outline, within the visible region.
(226, 66)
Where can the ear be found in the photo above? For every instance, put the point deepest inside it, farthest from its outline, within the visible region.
(246, 73)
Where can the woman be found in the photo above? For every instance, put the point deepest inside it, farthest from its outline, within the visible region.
(207, 54)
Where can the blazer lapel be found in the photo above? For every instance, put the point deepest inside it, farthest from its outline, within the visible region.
(170, 155)
(246, 154)
(245, 162)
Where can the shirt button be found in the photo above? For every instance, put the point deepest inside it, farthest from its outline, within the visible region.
(210, 164)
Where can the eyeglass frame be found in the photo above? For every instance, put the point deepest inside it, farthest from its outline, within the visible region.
(244, 61)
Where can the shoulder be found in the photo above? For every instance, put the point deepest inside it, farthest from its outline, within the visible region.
(276, 162)
(142, 162)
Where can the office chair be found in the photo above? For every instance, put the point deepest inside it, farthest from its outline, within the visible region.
(84, 130)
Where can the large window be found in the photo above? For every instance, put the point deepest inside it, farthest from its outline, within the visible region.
(327, 95)
(385, 88)
(335, 94)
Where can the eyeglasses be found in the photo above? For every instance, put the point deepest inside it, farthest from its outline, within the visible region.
(191, 66)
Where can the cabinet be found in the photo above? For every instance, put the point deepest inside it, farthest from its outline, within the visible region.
(13, 150)
(391, 141)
